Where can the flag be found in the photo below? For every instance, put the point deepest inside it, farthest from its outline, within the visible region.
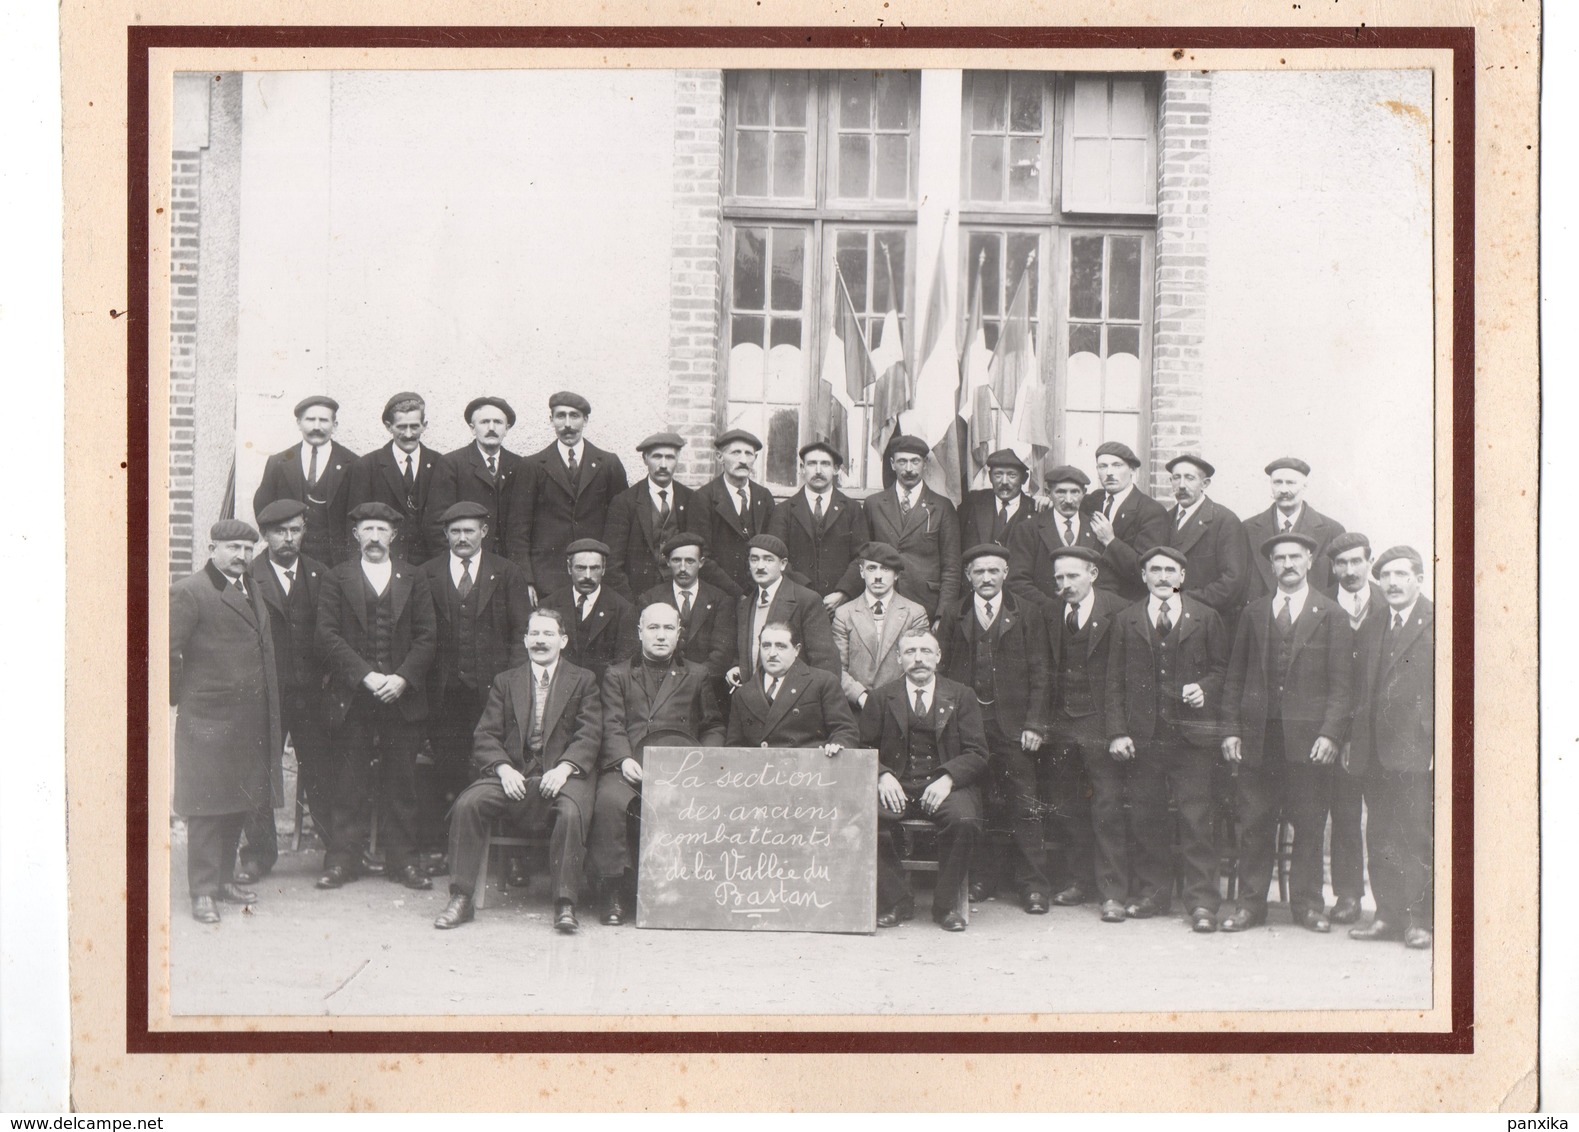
(934, 415)
(1017, 381)
(892, 393)
(977, 405)
(846, 372)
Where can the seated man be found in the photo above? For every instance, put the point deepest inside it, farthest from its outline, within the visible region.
(788, 704)
(653, 692)
(931, 752)
(535, 749)
(866, 631)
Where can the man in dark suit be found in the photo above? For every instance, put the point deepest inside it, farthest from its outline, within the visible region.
(774, 597)
(707, 615)
(481, 472)
(1212, 538)
(1035, 542)
(315, 472)
(823, 528)
(993, 514)
(996, 645)
(787, 704)
(377, 637)
(643, 517)
(562, 495)
(1125, 520)
(535, 750)
(932, 755)
(1162, 703)
(400, 475)
(733, 508)
(656, 691)
(1290, 513)
(923, 526)
(1286, 706)
(223, 685)
(601, 624)
(1394, 749)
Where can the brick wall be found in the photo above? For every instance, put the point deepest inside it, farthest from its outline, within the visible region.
(185, 235)
(1178, 365)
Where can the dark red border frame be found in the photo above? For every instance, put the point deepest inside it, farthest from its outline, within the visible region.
(140, 1039)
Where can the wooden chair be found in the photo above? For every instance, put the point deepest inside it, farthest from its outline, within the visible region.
(909, 832)
(496, 839)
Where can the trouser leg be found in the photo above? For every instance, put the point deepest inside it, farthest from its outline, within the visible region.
(450, 737)
(398, 745)
(610, 836)
(351, 760)
(478, 807)
(1070, 794)
(211, 841)
(1190, 769)
(1348, 842)
(1258, 791)
(959, 828)
(1383, 844)
(1110, 837)
(1308, 788)
(1016, 772)
(1417, 845)
(261, 847)
(1149, 827)
(571, 812)
(893, 886)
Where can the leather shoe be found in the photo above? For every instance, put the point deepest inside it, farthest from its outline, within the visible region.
(976, 892)
(517, 876)
(335, 876)
(457, 912)
(1418, 938)
(373, 866)
(1345, 911)
(1036, 903)
(952, 922)
(1376, 929)
(1314, 920)
(614, 909)
(1071, 897)
(565, 918)
(1113, 912)
(204, 910)
(248, 874)
(1243, 919)
(412, 877)
(234, 894)
(437, 865)
(1203, 920)
(1146, 907)
(896, 915)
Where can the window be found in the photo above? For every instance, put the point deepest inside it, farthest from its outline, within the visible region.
(1106, 349)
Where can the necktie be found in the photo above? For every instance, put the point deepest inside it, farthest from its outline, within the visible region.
(816, 513)
(493, 467)
(685, 605)
(1288, 524)
(1398, 621)
(773, 688)
(986, 614)
(540, 704)
(1284, 619)
(1069, 531)
(904, 503)
(877, 609)
(762, 602)
(581, 606)
(410, 477)
(1003, 522)
(241, 586)
(1072, 621)
(1164, 622)
(1107, 507)
(1178, 520)
(573, 469)
(663, 507)
(745, 507)
(464, 586)
(290, 579)
(921, 704)
(312, 468)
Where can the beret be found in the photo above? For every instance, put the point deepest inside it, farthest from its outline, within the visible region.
(1122, 451)
(1008, 458)
(380, 511)
(281, 511)
(1346, 542)
(1288, 536)
(1166, 552)
(881, 553)
(735, 434)
(826, 446)
(1196, 460)
(465, 509)
(232, 530)
(316, 399)
(1292, 463)
(684, 538)
(497, 402)
(913, 445)
(1066, 473)
(984, 550)
(1393, 552)
(389, 405)
(1084, 553)
(770, 543)
(661, 440)
(571, 401)
(582, 545)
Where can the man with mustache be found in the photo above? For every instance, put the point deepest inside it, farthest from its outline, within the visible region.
(822, 528)
(866, 631)
(1034, 543)
(776, 598)
(707, 614)
(482, 472)
(733, 508)
(315, 473)
(400, 476)
(1211, 537)
(1290, 513)
(1124, 520)
(923, 526)
(992, 514)
(643, 517)
(787, 704)
(600, 623)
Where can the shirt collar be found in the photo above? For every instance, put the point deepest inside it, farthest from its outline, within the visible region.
(1154, 605)
(1354, 603)
(1013, 505)
(926, 689)
(1083, 608)
(378, 571)
(1296, 601)
(484, 455)
(1278, 517)
(456, 568)
(1408, 612)
(1120, 496)
(402, 457)
(591, 600)
(539, 669)
(773, 590)
(564, 453)
(997, 602)
(1185, 513)
(280, 570)
(653, 489)
(887, 599)
(812, 494)
(692, 590)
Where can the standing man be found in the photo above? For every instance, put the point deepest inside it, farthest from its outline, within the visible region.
(997, 647)
(787, 704)
(1286, 713)
(400, 475)
(932, 755)
(535, 749)
(1289, 513)
(1125, 520)
(775, 598)
(314, 472)
(1212, 538)
(601, 624)
(1035, 543)
(822, 527)
(866, 631)
(643, 517)
(923, 526)
(707, 614)
(481, 472)
(227, 728)
(377, 638)
(562, 495)
(656, 691)
(733, 508)
(1162, 703)
(992, 514)
(1394, 750)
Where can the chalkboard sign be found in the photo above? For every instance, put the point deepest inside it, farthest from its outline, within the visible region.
(758, 839)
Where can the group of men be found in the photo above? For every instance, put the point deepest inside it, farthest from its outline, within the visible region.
(482, 637)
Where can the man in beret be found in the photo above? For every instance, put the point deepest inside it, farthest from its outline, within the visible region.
(600, 623)
(707, 614)
(1162, 708)
(923, 526)
(776, 598)
(732, 508)
(822, 528)
(377, 637)
(1125, 520)
(480, 472)
(1286, 707)
(1034, 543)
(992, 514)
(786, 703)
(866, 631)
(996, 645)
(643, 517)
(481, 608)
(1290, 513)
(561, 495)
(1211, 537)
(223, 685)
(1393, 748)
(315, 472)
(400, 475)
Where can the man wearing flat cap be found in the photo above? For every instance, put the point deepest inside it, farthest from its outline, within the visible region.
(1211, 537)
(400, 475)
(866, 631)
(1125, 520)
(707, 614)
(377, 637)
(643, 517)
(1035, 542)
(224, 687)
(600, 623)
(1286, 707)
(923, 526)
(992, 514)
(561, 495)
(733, 508)
(315, 472)
(774, 597)
(1290, 513)
(481, 472)
(822, 528)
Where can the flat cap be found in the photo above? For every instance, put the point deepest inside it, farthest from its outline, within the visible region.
(570, 401)
(1392, 552)
(826, 446)
(1347, 541)
(734, 434)
(684, 538)
(497, 402)
(984, 550)
(770, 543)
(281, 511)
(1008, 458)
(316, 399)
(881, 553)
(1288, 536)
(584, 545)
(1189, 458)
(465, 509)
(232, 530)
(1166, 552)
(1122, 451)
(912, 445)
(1066, 473)
(1084, 553)
(383, 512)
(662, 440)
(1292, 463)
(398, 398)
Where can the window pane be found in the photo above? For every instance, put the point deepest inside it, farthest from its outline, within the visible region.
(786, 332)
(1085, 338)
(855, 165)
(850, 249)
(986, 168)
(1025, 168)
(783, 437)
(790, 89)
(992, 277)
(981, 251)
(1088, 107)
(1083, 377)
(1123, 368)
(1089, 172)
(1085, 277)
(786, 376)
(1123, 340)
(1082, 434)
(1123, 293)
(746, 359)
(893, 166)
(750, 259)
(893, 100)
(989, 90)
(789, 165)
(1128, 185)
(789, 265)
(1122, 427)
(1129, 109)
(751, 98)
(751, 163)
(1025, 104)
(855, 100)
(1021, 249)
(888, 277)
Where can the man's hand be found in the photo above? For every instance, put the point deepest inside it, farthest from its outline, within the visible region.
(831, 749)
(1030, 740)
(1323, 751)
(513, 781)
(554, 781)
(1231, 749)
(937, 626)
(1121, 749)
(374, 682)
(1343, 760)
(531, 593)
(861, 703)
(1101, 526)
(937, 790)
(1042, 501)
(891, 794)
(395, 686)
(631, 769)
(732, 677)
(833, 601)
(1194, 696)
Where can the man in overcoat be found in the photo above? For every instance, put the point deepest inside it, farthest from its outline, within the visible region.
(1034, 543)
(601, 624)
(822, 528)
(923, 526)
(1211, 537)
(1290, 513)
(733, 508)
(1124, 519)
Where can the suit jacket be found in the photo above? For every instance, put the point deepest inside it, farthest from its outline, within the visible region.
(1066, 724)
(808, 712)
(868, 659)
(684, 702)
(798, 606)
(292, 622)
(927, 539)
(606, 636)
(962, 739)
(224, 687)
(1139, 524)
(825, 562)
(978, 514)
(502, 608)
(1213, 540)
(462, 477)
(708, 635)
(636, 562)
(727, 532)
(343, 638)
(1031, 548)
(376, 478)
(546, 515)
(1313, 524)
(1133, 697)
(283, 478)
(1395, 723)
(1021, 677)
(1316, 691)
(572, 723)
